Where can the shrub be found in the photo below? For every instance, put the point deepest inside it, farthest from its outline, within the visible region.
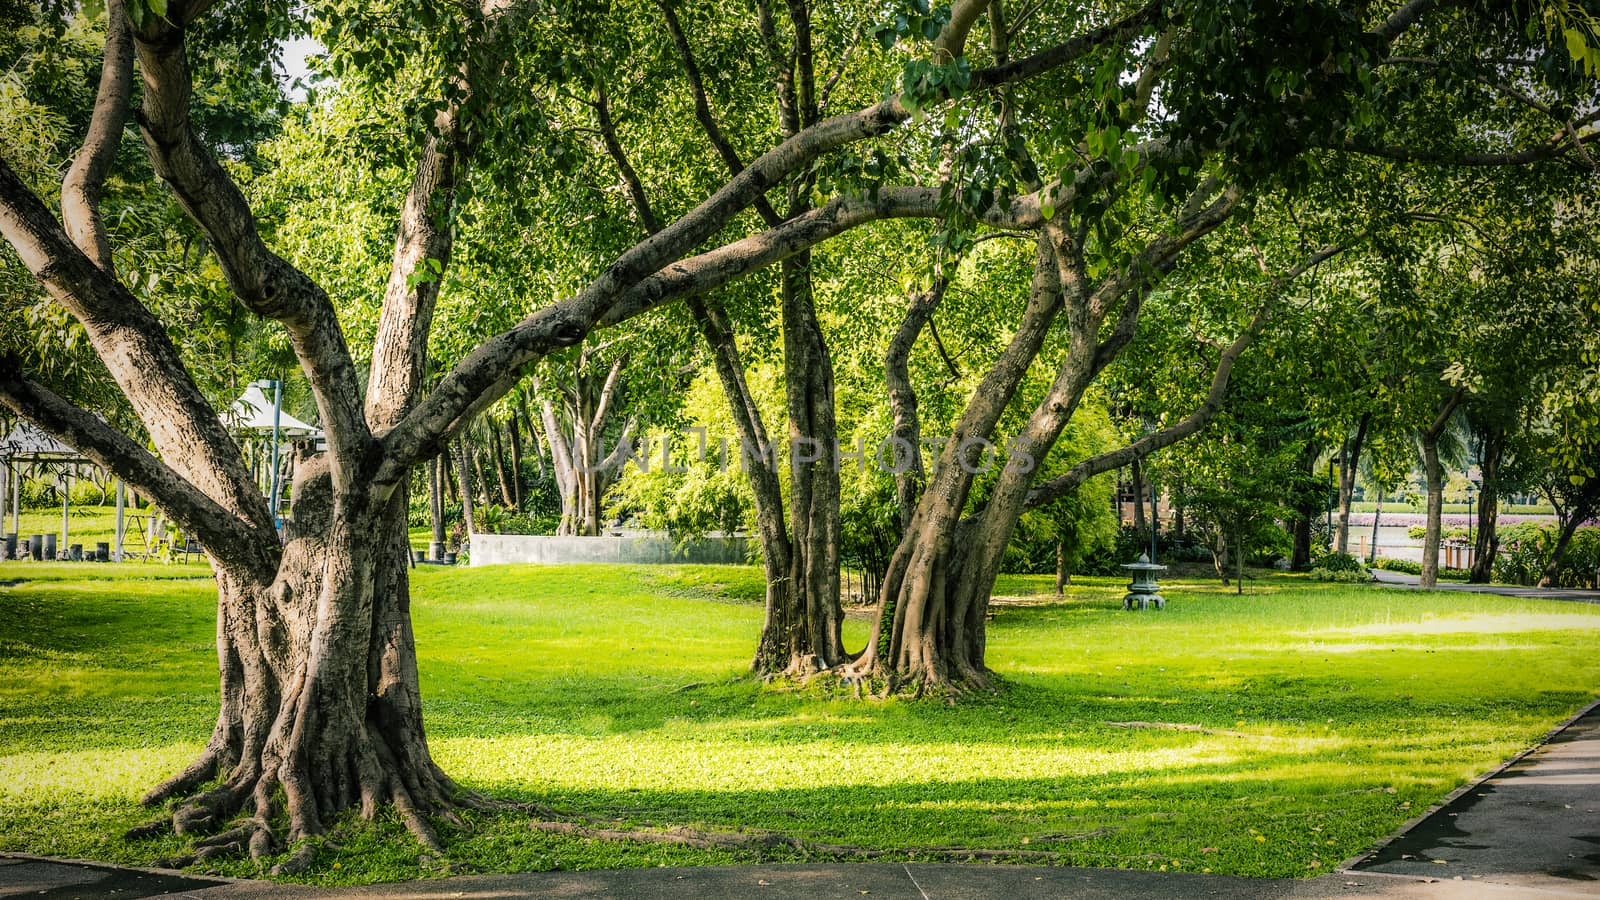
(1341, 575)
(40, 492)
(1398, 565)
(1339, 562)
(1410, 567)
(1529, 546)
(88, 493)
(1446, 532)
(1341, 567)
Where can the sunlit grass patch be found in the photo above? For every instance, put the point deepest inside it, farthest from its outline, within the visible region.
(1273, 733)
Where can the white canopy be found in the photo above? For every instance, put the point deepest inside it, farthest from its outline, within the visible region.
(253, 412)
(25, 442)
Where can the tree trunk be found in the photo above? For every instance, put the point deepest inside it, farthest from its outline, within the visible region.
(479, 478)
(584, 470)
(1349, 462)
(1486, 544)
(1434, 474)
(1219, 555)
(537, 442)
(436, 479)
(1377, 513)
(783, 646)
(497, 459)
(464, 477)
(1310, 507)
(1553, 567)
(1300, 559)
(514, 430)
(1063, 577)
(930, 629)
(447, 475)
(1238, 561)
(1140, 526)
(906, 435)
(319, 691)
(812, 628)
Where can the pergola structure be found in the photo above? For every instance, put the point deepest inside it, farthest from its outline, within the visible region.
(258, 422)
(26, 452)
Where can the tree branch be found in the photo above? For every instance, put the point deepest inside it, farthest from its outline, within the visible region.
(265, 282)
(1564, 141)
(1068, 50)
(630, 177)
(608, 393)
(952, 40)
(490, 368)
(1065, 484)
(136, 350)
(1402, 19)
(80, 189)
(702, 110)
(400, 343)
(910, 476)
(1445, 412)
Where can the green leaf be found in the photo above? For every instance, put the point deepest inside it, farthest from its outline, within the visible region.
(159, 7)
(1577, 47)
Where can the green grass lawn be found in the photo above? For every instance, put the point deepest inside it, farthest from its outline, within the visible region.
(1331, 715)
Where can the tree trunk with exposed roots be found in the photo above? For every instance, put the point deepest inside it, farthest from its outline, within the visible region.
(320, 710)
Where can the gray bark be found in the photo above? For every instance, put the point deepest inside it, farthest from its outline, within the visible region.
(1349, 465)
(1433, 472)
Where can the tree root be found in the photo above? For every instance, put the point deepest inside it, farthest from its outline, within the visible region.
(202, 770)
(235, 817)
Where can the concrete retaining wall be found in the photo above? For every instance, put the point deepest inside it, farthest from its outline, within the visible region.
(498, 549)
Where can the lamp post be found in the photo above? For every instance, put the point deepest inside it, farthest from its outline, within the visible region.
(1471, 516)
(277, 411)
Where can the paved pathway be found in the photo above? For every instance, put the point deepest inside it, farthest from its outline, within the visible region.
(31, 876)
(1402, 580)
(1531, 831)
(1534, 824)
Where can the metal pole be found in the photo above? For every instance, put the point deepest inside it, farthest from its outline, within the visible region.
(1470, 517)
(1154, 521)
(122, 528)
(277, 407)
(66, 503)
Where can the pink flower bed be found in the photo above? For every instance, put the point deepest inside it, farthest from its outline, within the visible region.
(1408, 519)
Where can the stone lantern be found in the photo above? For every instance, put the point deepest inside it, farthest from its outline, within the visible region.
(1142, 590)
